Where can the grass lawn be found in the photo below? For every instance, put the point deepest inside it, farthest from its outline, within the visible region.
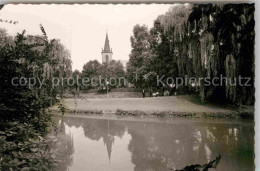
(154, 104)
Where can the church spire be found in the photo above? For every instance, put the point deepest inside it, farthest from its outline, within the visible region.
(107, 47)
(108, 141)
(106, 52)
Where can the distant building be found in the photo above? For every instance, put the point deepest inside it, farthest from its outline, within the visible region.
(124, 62)
(106, 52)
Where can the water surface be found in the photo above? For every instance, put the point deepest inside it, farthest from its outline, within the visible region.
(105, 144)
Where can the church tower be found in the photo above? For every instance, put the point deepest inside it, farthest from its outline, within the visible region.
(106, 52)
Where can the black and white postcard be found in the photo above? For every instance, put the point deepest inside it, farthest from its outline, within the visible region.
(127, 86)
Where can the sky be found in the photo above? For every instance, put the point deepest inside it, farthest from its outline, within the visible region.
(82, 28)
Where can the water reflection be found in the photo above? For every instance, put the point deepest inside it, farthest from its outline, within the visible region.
(64, 148)
(103, 144)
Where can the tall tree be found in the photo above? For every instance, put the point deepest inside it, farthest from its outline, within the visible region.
(140, 46)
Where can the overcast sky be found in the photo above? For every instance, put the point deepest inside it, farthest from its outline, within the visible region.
(82, 28)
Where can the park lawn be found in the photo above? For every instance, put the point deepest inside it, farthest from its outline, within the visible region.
(153, 104)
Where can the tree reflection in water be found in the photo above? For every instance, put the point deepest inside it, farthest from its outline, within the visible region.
(162, 146)
(64, 147)
(95, 129)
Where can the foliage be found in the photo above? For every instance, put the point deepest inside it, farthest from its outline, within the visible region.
(199, 41)
(101, 72)
(139, 56)
(205, 167)
(62, 107)
(5, 38)
(24, 148)
(24, 120)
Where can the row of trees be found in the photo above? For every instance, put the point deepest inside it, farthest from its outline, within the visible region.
(24, 120)
(198, 41)
(100, 73)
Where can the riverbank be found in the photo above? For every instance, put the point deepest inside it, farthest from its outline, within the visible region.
(170, 106)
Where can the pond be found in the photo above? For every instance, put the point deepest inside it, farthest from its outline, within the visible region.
(142, 144)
